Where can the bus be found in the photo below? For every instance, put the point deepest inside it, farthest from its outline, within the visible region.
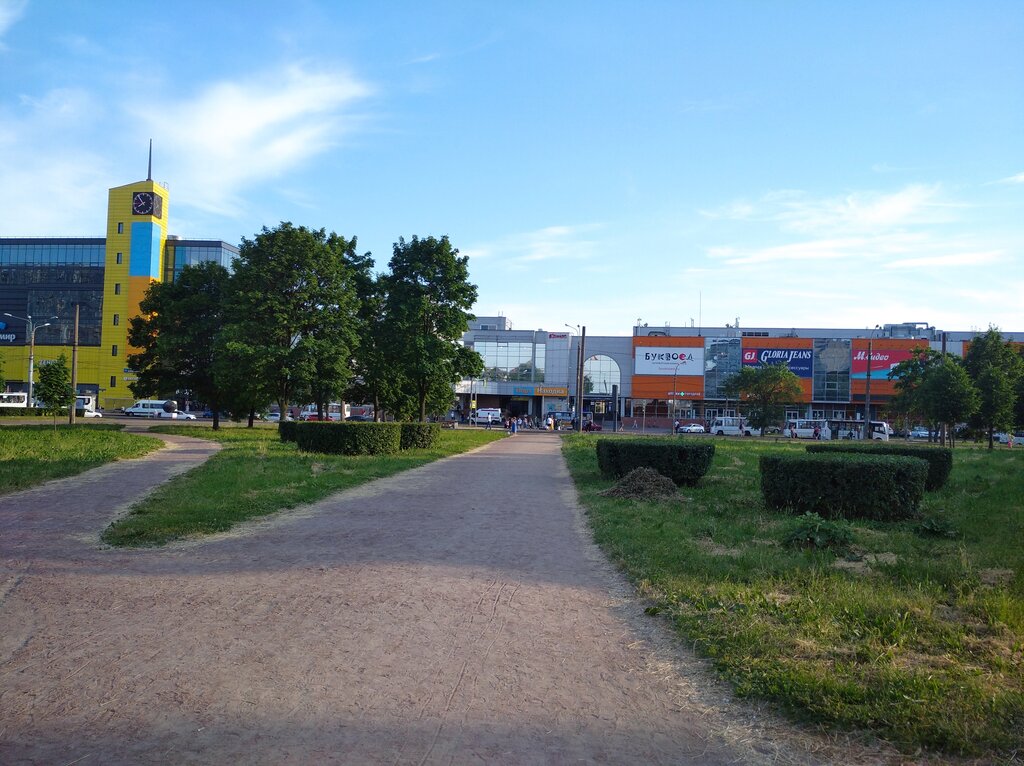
(332, 411)
(16, 399)
(801, 428)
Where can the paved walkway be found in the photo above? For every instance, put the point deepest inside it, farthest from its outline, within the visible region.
(452, 614)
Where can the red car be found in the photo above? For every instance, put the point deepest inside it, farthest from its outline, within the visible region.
(590, 425)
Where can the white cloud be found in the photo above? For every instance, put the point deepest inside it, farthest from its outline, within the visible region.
(552, 243)
(52, 186)
(10, 12)
(866, 212)
(1016, 179)
(882, 247)
(236, 134)
(946, 261)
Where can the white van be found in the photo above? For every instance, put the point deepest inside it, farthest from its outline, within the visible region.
(730, 427)
(150, 408)
(492, 414)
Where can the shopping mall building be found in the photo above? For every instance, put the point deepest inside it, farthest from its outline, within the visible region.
(653, 375)
(658, 374)
(43, 280)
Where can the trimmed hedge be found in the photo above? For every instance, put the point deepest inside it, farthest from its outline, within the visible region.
(419, 435)
(286, 430)
(844, 484)
(25, 412)
(684, 463)
(939, 459)
(349, 438)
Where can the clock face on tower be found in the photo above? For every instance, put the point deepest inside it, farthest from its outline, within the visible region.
(142, 203)
(147, 203)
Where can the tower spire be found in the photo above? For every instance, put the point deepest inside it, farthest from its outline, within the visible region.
(149, 173)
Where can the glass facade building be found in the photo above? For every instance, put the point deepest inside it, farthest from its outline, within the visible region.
(46, 281)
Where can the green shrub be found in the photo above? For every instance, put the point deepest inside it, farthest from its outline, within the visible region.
(23, 412)
(419, 435)
(812, 531)
(349, 438)
(844, 485)
(940, 459)
(684, 463)
(286, 430)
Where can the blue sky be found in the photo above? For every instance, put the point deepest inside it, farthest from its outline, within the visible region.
(804, 164)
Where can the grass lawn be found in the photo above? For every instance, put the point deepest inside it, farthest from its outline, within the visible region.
(32, 454)
(916, 632)
(256, 474)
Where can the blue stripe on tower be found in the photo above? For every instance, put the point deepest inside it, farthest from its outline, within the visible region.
(144, 256)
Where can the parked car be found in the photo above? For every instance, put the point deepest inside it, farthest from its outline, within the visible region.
(275, 417)
(919, 432)
(184, 415)
(359, 418)
(91, 414)
(691, 428)
(590, 425)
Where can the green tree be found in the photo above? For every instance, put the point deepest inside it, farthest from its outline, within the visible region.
(292, 310)
(996, 368)
(54, 388)
(907, 377)
(427, 305)
(947, 394)
(764, 391)
(177, 336)
(373, 379)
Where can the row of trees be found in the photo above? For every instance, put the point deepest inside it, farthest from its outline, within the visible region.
(985, 389)
(303, 317)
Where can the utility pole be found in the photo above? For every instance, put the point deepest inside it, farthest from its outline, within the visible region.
(579, 379)
(74, 369)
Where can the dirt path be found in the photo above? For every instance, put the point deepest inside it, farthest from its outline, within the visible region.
(452, 614)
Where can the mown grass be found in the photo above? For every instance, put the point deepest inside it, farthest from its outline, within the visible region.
(31, 455)
(256, 474)
(916, 636)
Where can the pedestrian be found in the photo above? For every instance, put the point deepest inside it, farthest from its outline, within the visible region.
(513, 426)
(817, 432)
(488, 426)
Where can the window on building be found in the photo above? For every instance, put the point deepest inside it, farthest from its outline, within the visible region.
(600, 373)
(120, 228)
(117, 288)
(120, 258)
(113, 350)
(117, 319)
(511, 361)
(723, 358)
(113, 381)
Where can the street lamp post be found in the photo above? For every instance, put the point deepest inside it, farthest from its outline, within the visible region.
(867, 388)
(675, 391)
(31, 329)
(576, 329)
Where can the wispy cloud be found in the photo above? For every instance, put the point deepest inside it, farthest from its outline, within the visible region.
(883, 247)
(236, 133)
(1016, 179)
(552, 243)
(946, 261)
(10, 12)
(864, 212)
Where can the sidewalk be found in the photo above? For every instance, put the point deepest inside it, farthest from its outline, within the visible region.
(454, 613)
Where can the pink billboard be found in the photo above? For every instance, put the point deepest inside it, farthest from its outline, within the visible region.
(882, 360)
